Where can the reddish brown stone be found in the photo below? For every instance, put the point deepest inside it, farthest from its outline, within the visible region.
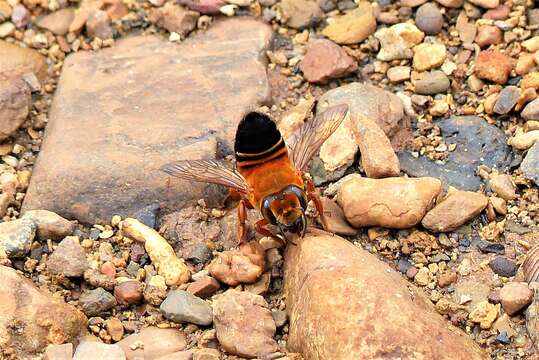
(15, 103)
(488, 35)
(175, 19)
(494, 66)
(108, 269)
(204, 287)
(40, 319)
(447, 278)
(323, 325)
(128, 292)
(326, 60)
(143, 103)
(57, 22)
(499, 13)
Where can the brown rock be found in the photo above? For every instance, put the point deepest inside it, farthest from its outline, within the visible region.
(525, 63)
(5, 10)
(488, 35)
(233, 268)
(207, 354)
(503, 185)
(68, 259)
(115, 328)
(354, 27)
(499, 13)
(515, 296)
(299, 14)
(530, 80)
(125, 146)
(128, 292)
(398, 73)
(181, 355)
(487, 4)
(447, 278)
(108, 269)
(326, 326)
(451, 3)
(153, 343)
(175, 19)
(244, 324)
(455, 210)
(95, 350)
(45, 320)
(337, 223)
(260, 287)
(493, 65)
(204, 288)
(377, 155)
(98, 25)
(392, 202)
(208, 7)
(15, 103)
(49, 224)
(326, 60)
(57, 22)
(429, 56)
(59, 352)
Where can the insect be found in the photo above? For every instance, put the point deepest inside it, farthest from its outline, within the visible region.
(269, 175)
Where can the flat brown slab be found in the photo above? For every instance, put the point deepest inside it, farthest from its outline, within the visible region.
(121, 113)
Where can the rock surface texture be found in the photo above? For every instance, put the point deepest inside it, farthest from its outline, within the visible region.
(325, 326)
(117, 147)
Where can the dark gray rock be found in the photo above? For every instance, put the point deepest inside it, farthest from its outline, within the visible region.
(148, 215)
(507, 100)
(503, 266)
(200, 254)
(16, 237)
(96, 302)
(491, 247)
(530, 164)
(181, 306)
(478, 143)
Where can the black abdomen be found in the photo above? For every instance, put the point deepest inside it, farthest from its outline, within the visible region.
(257, 140)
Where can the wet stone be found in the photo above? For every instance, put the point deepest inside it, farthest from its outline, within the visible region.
(478, 143)
(503, 266)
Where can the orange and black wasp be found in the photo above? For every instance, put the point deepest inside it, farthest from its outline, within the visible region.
(269, 175)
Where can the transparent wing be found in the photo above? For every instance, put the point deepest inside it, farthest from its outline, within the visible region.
(306, 141)
(209, 171)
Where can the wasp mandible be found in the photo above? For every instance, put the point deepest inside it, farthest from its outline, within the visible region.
(269, 175)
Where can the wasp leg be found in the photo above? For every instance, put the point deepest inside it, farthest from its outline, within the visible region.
(313, 195)
(242, 216)
(260, 227)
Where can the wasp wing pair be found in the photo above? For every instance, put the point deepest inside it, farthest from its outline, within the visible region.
(302, 146)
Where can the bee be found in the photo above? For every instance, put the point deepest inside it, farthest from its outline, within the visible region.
(269, 174)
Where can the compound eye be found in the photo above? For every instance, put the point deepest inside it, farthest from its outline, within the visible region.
(266, 211)
(300, 194)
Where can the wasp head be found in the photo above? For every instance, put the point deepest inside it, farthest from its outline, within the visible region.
(286, 209)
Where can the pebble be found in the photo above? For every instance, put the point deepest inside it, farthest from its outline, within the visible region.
(530, 164)
(531, 45)
(488, 35)
(447, 278)
(531, 110)
(484, 314)
(15, 103)
(354, 27)
(405, 200)
(16, 237)
(68, 259)
(429, 56)
(326, 60)
(530, 80)
(506, 100)
(161, 253)
(524, 141)
(397, 74)
(422, 278)
(412, 3)
(115, 328)
(59, 352)
(182, 306)
(96, 302)
(156, 290)
(525, 63)
(503, 266)
(244, 324)
(108, 269)
(299, 14)
(500, 205)
(432, 83)
(98, 351)
(57, 22)
(128, 292)
(494, 66)
(153, 343)
(515, 296)
(451, 3)
(6, 29)
(20, 16)
(429, 19)
(397, 41)
(233, 268)
(49, 225)
(208, 7)
(503, 185)
(96, 279)
(439, 108)
(455, 210)
(177, 20)
(490, 247)
(487, 4)
(148, 215)
(99, 25)
(204, 288)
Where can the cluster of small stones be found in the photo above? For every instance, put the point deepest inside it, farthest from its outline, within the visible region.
(442, 58)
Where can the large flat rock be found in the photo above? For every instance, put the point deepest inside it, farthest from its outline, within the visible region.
(121, 113)
(344, 304)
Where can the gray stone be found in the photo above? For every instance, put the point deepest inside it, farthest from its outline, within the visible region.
(429, 19)
(15, 104)
(433, 82)
(95, 302)
(531, 110)
(141, 104)
(503, 266)
(181, 306)
(69, 258)
(16, 237)
(507, 100)
(530, 164)
(49, 224)
(478, 143)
